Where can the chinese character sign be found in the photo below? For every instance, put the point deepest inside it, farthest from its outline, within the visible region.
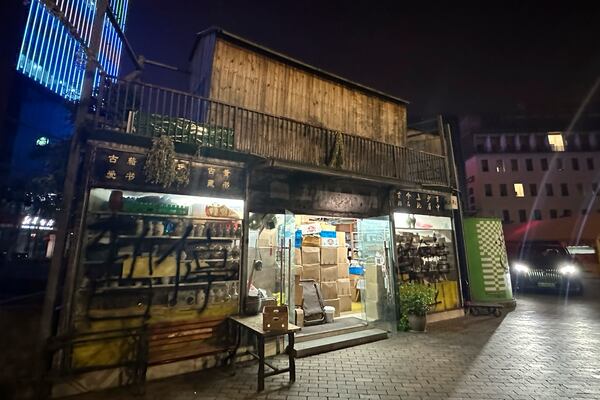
(125, 170)
(420, 203)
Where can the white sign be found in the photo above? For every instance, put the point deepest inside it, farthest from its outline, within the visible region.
(30, 222)
(454, 202)
(310, 229)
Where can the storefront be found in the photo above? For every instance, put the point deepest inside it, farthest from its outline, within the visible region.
(425, 245)
(307, 231)
(152, 259)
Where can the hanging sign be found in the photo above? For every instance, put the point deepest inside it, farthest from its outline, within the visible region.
(125, 170)
(420, 203)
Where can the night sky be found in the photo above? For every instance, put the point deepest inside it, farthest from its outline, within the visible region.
(448, 58)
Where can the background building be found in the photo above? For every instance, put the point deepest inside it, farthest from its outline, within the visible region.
(44, 57)
(520, 177)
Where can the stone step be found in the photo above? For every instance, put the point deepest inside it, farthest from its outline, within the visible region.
(333, 331)
(323, 345)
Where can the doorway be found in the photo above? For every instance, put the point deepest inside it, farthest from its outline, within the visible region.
(349, 259)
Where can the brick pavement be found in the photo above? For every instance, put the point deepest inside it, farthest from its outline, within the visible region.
(545, 349)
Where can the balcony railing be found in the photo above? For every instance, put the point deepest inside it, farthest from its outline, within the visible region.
(147, 110)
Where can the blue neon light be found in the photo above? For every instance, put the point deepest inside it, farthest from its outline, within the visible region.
(50, 55)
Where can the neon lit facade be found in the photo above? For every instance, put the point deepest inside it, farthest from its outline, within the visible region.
(51, 56)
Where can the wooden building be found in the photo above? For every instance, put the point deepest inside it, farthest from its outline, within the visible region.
(236, 71)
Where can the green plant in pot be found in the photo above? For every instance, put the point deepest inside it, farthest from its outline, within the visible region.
(416, 300)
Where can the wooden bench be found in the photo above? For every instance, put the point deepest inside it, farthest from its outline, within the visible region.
(174, 341)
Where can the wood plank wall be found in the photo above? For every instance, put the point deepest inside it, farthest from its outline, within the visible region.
(253, 80)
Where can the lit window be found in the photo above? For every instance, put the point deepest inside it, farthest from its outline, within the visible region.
(500, 166)
(555, 139)
(519, 190)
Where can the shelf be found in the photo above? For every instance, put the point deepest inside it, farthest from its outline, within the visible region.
(186, 261)
(161, 286)
(164, 216)
(422, 229)
(165, 237)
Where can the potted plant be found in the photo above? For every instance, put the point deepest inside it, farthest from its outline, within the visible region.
(416, 300)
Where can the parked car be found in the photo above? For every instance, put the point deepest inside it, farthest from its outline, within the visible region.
(544, 265)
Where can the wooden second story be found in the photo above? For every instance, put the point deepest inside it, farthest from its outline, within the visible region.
(246, 101)
(234, 70)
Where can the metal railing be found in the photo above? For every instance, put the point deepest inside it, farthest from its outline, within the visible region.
(148, 110)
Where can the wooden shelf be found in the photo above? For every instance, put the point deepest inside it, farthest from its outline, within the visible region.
(165, 237)
(159, 286)
(164, 216)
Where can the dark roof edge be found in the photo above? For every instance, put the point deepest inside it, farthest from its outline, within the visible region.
(288, 60)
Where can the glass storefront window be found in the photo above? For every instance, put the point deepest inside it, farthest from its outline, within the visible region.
(425, 254)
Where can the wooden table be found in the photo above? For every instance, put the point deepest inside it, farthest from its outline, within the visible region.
(254, 325)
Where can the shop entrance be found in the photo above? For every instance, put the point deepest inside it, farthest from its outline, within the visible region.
(343, 264)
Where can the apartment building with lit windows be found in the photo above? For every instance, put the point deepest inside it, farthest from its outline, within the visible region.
(523, 177)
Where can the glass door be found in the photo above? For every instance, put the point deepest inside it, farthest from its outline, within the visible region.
(377, 290)
(290, 279)
(270, 258)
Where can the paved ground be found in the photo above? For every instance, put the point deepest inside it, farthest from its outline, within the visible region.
(548, 348)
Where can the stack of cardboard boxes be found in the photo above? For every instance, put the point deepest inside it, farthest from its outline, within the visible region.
(327, 264)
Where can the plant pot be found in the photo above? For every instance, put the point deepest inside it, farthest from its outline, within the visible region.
(417, 323)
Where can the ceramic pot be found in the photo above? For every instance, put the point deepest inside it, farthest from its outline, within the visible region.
(417, 323)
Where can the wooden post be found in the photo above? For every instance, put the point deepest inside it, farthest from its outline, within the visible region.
(63, 223)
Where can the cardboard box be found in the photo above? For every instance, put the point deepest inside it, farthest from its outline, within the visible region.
(329, 290)
(343, 287)
(341, 238)
(275, 319)
(311, 255)
(297, 279)
(343, 271)
(310, 241)
(329, 273)
(328, 255)
(335, 303)
(342, 255)
(298, 295)
(311, 271)
(345, 303)
(310, 229)
(299, 320)
(344, 228)
(297, 256)
(329, 242)
(327, 227)
(298, 270)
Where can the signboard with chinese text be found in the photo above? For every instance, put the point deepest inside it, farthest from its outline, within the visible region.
(420, 203)
(125, 170)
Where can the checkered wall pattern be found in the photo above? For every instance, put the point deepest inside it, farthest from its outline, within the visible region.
(492, 250)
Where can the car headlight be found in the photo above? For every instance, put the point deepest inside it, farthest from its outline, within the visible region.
(568, 269)
(521, 268)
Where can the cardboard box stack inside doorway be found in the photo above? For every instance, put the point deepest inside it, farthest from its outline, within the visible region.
(321, 254)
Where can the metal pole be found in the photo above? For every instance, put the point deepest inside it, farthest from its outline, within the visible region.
(445, 145)
(458, 223)
(63, 223)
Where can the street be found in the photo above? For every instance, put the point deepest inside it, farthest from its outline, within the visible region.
(548, 348)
